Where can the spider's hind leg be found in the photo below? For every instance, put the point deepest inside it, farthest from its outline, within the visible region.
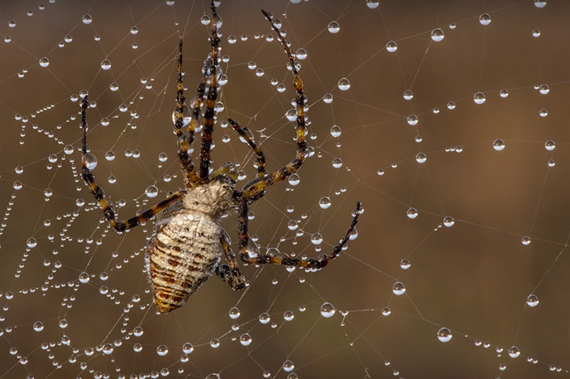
(250, 257)
(230, 272)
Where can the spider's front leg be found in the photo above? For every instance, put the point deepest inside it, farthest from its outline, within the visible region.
(255, 189)
(88, 159)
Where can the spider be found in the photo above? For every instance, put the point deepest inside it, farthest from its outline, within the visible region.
(187, 245)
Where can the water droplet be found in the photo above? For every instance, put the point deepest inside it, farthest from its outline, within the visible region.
(151, 191)
(437, 35)
(245, 339)
(63, 323)
(328, 98)
(408, 95)
(264, 318)
(336, 131)
(162, 350)
(421, 158)
(344, 84)
(391, 46)
(106, 64)
(514, 352)
(87, 19)
(412, 213)
(292, 225)
(288, 315)
(333, 27)
(90, 161)
(444, 335)
(372, 4)
(186, 115)
(215, 343)
(544, 89)
(31, 242)
(405, 264)
(337, 162)
(540, 3)
(316, 238)
(327, 310)
(38, 326)
(479, 98)
(234, 313)
(68, 149)
(485, 19)
(44, 62)
(532, 300)
(386, 311)
(325, 202)
(138, 331)
(294, 179)
(525, 240)
(412, 120)
(549, 145)
(448, 221)
(398, 288)
(84, 277)
(187, 348)
(536, 33)
(301, 54)
(288, 366)
(498, 145)
(543, 113)
(504, 93)
(110, 156)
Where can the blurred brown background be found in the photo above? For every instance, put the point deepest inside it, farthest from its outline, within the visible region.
(473, 278)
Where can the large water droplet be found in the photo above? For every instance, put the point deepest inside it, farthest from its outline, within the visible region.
(151, 191)
(444, 335)
(398, 288)
(327, 310)
(344, 84)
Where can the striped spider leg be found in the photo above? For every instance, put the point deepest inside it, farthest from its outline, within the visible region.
(255, 189)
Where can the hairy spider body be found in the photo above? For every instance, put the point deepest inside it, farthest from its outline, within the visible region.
(188, 244)
(186, 249)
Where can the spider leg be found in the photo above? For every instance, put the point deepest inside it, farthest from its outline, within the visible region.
(99, 194)
(184, 141)
(256, 189)
(261, 173)
(225, 170)
(250, 257)
(230, 272)
(211, 97)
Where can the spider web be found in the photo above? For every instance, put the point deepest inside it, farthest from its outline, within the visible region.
(460, 265)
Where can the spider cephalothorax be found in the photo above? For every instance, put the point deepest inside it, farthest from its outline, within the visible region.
(187, 246)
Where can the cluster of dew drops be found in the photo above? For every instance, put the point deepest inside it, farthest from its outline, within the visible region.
(327, 310)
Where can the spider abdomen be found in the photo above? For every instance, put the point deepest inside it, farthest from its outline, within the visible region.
(181, 256)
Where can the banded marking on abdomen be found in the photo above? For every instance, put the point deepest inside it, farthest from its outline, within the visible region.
(181, 256)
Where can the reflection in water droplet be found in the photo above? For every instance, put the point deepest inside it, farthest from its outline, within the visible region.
(444, 335)
(327, 310)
